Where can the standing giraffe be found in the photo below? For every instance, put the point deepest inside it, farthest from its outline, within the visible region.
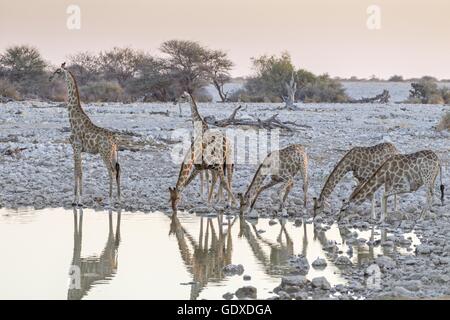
(362, 162)
(400, 174)
(282, 166)
(87, 137)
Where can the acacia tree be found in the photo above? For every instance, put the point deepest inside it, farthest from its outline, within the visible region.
(186, 63)
(152, 81)
(219, 66)
(86, 66)
(22, 63)
(120, 64)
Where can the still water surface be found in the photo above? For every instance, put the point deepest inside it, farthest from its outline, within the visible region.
(155, 256)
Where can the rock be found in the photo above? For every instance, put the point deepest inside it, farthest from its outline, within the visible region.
(423, 249)
(272, 222)
(343, 261)
(233, 269)
(246, 292)
(296, 281)
(301, 264)
(321, 282)
(402, 292)
(247, 277)
(228, 296)
(301, 296)
(385, 262)
(410, 285)
(319, 263)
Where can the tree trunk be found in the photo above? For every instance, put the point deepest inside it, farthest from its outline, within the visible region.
(219, 88)
(291, 89)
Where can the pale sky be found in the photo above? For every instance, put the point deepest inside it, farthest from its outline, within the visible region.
(321, 35)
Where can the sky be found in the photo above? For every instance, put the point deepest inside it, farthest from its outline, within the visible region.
(323, 36)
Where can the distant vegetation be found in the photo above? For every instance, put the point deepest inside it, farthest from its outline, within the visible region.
(126, 75)
(427, 91)
(271, 75)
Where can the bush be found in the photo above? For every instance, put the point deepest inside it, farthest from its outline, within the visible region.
(102, 91)
(427, 91)
(323, 89)
(8, 90)
(444, 124)
(396, 78)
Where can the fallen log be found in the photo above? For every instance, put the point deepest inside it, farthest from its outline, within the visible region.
(270, 123)
(381, 98)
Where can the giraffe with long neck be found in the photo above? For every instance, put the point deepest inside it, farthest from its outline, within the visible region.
(281, 166)
(401, 173)
(216, 157)
(210, 151)
(200, 127)
(362, 162)
(87, 137)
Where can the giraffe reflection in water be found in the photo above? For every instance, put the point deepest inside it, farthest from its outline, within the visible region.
(206, 254)
(85, 272)
(205, 257)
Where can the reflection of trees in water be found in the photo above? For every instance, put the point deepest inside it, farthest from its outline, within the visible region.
(206, 257)
(93, 269)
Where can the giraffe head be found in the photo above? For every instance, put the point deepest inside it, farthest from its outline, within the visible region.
(175, 197)
(347, 205)
(58, 72)
(318, 206)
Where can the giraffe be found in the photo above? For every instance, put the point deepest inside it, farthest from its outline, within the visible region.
(200, 127)
(212, 152)
(362, 162)
(282, 166)
(87, 137)
(401, 173)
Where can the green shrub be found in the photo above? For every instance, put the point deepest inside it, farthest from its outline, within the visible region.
(427, 91)
(322, 89)
(102, 91)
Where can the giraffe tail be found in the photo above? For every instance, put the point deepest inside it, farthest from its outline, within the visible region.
(442, 185)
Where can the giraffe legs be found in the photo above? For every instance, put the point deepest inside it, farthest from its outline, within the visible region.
(427, 207)
(213, 184)
(373, 213)
(227, 186)
(78, 189)
(287, 187)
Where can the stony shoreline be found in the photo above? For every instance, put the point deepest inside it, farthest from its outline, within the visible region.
(38, 172)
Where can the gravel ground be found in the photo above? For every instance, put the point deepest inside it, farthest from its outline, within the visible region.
(36, 169)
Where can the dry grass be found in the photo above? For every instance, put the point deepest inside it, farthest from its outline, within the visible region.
(8, 90)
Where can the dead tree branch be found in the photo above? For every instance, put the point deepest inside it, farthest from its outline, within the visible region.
(381, 98)
(270, 123)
